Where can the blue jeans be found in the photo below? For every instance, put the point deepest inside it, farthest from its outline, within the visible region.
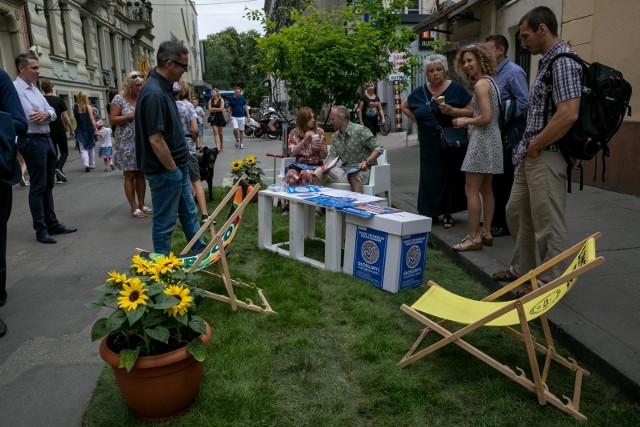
(41, 159)
(170, 195)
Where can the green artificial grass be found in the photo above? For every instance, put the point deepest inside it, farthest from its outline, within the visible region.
(327, 358)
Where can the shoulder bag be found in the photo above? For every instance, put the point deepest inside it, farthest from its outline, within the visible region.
(450, 138)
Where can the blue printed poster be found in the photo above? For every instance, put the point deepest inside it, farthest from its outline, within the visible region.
(414, 251)
(370, 255)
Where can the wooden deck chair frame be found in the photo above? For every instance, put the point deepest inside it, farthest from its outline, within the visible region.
(216, 253)
(544, 297)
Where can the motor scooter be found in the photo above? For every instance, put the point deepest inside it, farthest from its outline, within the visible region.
(250, 126)
(270, 124)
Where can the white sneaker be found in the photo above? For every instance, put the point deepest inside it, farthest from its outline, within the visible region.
(242, 146)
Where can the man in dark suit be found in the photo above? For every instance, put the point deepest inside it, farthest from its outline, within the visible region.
(10, 172)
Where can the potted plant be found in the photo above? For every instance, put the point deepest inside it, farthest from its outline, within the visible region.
(153, 336)
(251, 167)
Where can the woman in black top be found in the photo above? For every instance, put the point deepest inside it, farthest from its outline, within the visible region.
(370, 109)
(216, 108)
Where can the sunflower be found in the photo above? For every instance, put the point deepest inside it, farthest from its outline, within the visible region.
(141, 265)
(117, 278)
(173, 261)
(236, 165)
(133, 294)
(182, 295)
(250, 160)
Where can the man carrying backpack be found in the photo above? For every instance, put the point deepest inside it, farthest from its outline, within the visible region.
(536, 207)
(514, 97)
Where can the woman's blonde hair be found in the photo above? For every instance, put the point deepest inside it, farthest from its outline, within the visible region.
(132, 78)
(83, 102)
(304, 114)
(184, 89)
(483, 56)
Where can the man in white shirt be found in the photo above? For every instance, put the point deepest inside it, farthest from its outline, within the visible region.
(37, 150)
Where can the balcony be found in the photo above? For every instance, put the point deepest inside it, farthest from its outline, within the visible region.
(139, 15)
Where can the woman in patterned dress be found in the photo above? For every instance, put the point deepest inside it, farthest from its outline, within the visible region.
(484, 154)
(122, 115)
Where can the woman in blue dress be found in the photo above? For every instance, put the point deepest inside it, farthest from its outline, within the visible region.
(441, 183)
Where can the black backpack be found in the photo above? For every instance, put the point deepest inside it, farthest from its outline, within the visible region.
(603, 104)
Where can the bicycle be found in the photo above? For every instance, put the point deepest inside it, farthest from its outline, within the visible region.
(386, 127)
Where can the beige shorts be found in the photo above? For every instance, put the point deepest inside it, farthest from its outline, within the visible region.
(336, 175)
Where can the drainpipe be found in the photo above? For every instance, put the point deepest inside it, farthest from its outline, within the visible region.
(27, 18)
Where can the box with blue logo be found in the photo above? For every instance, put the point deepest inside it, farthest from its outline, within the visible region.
(388, 251)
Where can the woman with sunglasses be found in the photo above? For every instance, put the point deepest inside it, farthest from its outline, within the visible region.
(122, 115)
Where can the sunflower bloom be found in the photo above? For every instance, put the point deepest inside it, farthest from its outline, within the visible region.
(132, 295)
(117, 278)
(154, 274)
(182, 295)
(250, 160)
(163, 265)
(141, 265)
(236, 165)
(174, 262)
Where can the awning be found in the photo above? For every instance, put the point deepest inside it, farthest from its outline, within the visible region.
(202, 83)
(444, 14)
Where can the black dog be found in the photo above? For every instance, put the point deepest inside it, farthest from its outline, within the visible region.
(207, 160)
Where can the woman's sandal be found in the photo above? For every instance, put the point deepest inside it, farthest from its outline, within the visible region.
(504, 276)
(447, 222)
(147, 210)
(138, 214)
(487, 238)
(473, 245)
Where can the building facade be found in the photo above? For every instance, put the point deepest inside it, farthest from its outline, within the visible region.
(83, 45)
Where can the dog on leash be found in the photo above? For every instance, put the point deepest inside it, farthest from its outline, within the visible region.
(207, 160)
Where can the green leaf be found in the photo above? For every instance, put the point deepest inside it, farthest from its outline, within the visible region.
(184, 319)
(159, 333)
(105, 287)
(116, 320)
(95, 303)
(197, 349)
(197, 324)
(165, 301)
(155, 289)
(134, 315)
(99, 329)
(153, 318)
(127, 358)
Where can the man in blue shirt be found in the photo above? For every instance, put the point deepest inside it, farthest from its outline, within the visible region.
(9, 171)
(514, 95)
(238, 112)
(37, 150)
(162, 150)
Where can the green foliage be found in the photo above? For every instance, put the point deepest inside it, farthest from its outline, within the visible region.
(325, 56)
(229, 62)
(327, 358)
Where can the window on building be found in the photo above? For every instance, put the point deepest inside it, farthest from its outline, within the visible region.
(86, 35)
(67, 33)
(523, 58)
(413, 8)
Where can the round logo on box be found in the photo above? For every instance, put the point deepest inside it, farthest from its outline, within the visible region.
(370, 252)
(413, 256)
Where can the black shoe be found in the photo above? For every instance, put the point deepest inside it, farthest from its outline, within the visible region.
(87, 169)
(3, 298)
(499, 231)
(60, 176)
(3, 328)
(45, 238)
(62, 229)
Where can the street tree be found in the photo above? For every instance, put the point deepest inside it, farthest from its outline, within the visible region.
(325, 56)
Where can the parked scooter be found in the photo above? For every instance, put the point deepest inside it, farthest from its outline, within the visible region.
(250, 126)
(270, 124)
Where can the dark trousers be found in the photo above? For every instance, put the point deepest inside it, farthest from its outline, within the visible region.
(62, 148)
(371, 123)
(502, 188)
(5, 212)
(40, 157)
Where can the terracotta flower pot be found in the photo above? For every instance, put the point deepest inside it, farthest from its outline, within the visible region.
(159, 387)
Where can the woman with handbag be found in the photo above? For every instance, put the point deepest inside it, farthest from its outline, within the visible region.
(370, 109)
(216, 108)
(441, 184)
(484, 154)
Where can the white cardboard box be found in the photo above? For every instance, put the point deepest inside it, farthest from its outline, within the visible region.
(388, 251)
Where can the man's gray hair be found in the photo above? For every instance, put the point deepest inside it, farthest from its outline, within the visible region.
(342, 111)
(170, 50)
(435, 59)
(23, 58)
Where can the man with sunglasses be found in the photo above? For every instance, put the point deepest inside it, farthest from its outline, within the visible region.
(162, 151)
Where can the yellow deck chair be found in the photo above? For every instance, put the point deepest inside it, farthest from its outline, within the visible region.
(216, 250)
(450, 307)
